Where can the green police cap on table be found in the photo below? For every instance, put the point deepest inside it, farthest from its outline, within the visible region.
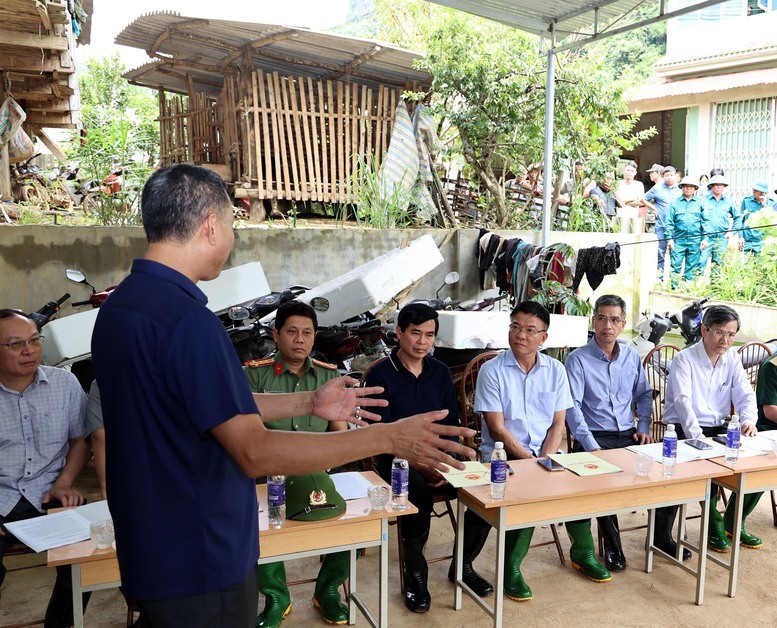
(312, 497)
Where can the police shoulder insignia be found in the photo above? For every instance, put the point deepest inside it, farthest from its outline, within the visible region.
(317, 498)
(255, 364)
(325, 365)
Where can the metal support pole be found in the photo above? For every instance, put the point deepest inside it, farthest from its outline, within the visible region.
(550, 95)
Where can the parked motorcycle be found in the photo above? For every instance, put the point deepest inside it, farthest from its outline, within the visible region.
(651, 329)
(36, 187)
(96, 299)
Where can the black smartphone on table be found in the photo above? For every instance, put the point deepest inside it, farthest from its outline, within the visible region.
(697, 443)
(549, 465)
(720, 438)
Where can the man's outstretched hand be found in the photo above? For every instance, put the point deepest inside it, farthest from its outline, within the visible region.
(341, 400)
(420, 440)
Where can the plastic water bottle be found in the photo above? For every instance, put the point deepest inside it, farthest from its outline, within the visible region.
(276, 500)
(400, 473)
(670, 451)
(498, 471)
(732, 439)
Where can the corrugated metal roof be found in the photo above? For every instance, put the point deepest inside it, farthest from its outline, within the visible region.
(207, 49)
(569, 16)
(702, 85)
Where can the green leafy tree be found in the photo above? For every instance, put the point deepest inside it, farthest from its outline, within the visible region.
(488, 81)
(120, 130)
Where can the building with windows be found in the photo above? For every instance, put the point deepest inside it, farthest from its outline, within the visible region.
(714, 99)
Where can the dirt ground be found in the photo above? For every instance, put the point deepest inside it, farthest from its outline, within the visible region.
(562, 596)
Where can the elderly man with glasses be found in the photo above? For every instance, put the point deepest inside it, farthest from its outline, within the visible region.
(42, 412)
(524, 395)
(705, 381)
(608, 383)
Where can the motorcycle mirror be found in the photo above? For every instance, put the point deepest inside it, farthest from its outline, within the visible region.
(450, 279)
(319, 304)
(76, 276)
(238, 313)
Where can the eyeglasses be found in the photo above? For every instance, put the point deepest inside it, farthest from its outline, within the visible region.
(531, 333)
(18, 345)
(728, 335)
(614, 320)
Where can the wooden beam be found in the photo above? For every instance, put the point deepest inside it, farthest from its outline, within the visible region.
(33, 40)
(355, 63)
(191, 64)
(44, 15)
(52, 146)
(53, 119)
(209, 41)
(259, 43)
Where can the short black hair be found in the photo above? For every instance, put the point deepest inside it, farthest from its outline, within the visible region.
(668, 169)
(533, 309)
(176, 199)
(417, 314)
(633, 164)
(610, 300)
(294, 308)
(9, 312)
(720, 315)
(718, 172)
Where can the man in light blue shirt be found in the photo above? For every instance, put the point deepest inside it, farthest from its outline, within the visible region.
(607, 382)
(658, 198)
(524, 396)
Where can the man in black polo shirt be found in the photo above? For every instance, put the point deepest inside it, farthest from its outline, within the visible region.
(413, 383)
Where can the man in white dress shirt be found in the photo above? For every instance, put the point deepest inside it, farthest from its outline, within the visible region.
(705, 380)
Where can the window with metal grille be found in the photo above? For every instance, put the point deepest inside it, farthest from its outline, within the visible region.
(744, 143)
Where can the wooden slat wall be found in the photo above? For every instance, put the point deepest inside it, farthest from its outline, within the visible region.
(192, 130)
(309, 134)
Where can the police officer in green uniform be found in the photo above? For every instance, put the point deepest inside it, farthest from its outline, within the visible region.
(686, 225)
(292, 370)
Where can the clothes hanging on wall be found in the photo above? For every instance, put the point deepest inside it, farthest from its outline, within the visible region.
(486, 248)
(596, 262)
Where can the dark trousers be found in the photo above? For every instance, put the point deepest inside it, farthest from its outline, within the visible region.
(610, 440)
(60, 608)
(707, 431)
(421, 495)
(233, 607)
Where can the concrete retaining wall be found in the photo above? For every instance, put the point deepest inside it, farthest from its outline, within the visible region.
(33, 259)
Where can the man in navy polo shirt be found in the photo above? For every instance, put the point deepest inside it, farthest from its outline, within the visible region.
(184, 438)
(415, 382)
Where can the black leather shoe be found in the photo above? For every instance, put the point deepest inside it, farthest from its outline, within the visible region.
(662, 536)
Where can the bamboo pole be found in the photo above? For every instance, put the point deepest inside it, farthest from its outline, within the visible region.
(257, 126)
(315, 141)
(311, 187)
(275, 140)
(298, 159)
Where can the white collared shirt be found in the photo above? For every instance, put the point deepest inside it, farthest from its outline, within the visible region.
(699, 394)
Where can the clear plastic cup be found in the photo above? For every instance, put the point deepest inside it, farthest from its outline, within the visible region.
(101, 533)
(643, 465)
(379, 496)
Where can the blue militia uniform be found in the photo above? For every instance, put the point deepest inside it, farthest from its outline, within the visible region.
(686, 223)
(754, 238)
(718, 212)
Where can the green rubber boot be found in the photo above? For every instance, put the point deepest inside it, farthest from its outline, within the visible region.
(516, 547)
(748, 505)
(582, 553)
(716, 532)
(334, 571)
(277, 601)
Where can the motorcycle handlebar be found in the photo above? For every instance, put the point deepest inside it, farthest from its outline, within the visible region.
(81, 303)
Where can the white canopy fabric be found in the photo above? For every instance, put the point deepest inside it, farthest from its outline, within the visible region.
(569, 24)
